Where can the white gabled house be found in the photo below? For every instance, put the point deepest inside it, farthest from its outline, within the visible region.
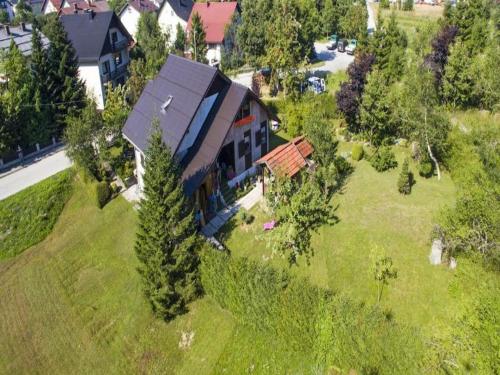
(173, 12)
(102, 45)
(131, 12)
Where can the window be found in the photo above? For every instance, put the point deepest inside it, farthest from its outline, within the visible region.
(105, 67)
(118, 58)
(244, 111)
(258, 138)
(114, 37)
(244, 146)
(263, 132)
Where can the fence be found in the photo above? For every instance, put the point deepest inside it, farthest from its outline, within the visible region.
(13, 158)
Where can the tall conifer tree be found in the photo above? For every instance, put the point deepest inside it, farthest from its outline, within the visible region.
(166, 242)
(197, 40)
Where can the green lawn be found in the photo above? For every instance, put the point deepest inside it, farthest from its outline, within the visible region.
(73, 304)
(372, 212)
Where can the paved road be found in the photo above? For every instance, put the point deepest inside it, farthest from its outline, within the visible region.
(33, 173)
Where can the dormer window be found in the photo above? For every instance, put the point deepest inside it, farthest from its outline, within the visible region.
(167, 103)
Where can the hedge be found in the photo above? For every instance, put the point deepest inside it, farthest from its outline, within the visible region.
(328, 327)
(357, 152)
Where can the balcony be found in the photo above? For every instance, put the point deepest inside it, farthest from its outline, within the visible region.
(110, 76)
(119, 45)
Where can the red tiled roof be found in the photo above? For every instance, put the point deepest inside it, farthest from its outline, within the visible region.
(288, 159)
(215, 17)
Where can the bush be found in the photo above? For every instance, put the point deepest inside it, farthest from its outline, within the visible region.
(309, 321)
(384, 4)
(27, 217)
(426, 168)
(384, 159)
(245, 217)
(357, 152)
(405, 179)
(103, 193)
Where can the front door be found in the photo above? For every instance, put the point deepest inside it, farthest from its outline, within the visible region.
(248, 149)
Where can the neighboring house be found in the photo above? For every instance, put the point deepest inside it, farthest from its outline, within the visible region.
(216, 128)
(131, 12)
(74, 6)
(102, 45)
(9, 7)
(215, 18)
(173, 12)
(21, 35)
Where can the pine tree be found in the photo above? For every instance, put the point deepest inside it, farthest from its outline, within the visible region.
(166, 243)
(457, 79)
(329, 21)
(375, 109)
(66, 92)
(151, 43)
(136, 81)
(39, 74)
(197, 39)
(180, 40)
(405, 179)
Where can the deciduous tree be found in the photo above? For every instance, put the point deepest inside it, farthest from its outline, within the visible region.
(151, 43)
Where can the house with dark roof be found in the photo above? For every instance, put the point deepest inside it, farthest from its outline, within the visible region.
(131, 12)
(102, 45)
(8, 7)
(74, 6)
(215, 17)
(174, 12)
(216, 128)
(21, 35)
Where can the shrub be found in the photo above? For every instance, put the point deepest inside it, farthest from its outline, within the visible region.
(307, 320)
(384, 159)
(103, 193)
(426, 168)
(357, 152)
(384, 4)
(245, 217)
(405, 179)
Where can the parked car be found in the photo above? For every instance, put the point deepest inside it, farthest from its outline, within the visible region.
(351, 47)
(342, 45)
(333, 41)
(315, 85)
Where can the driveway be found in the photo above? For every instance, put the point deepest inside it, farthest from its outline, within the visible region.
(15, 181)
(333, 61)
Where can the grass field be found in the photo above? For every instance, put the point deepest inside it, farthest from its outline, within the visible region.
(72, 304)
(372, 212)
(27, 217)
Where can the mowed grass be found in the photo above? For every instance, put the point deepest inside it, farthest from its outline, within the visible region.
(371, 213)
(413, 20)
(73, 304)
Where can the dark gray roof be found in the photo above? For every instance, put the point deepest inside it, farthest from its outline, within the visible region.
(196, 170)
(181, 7)
(187, 82)
(21, 37)
(88, 32)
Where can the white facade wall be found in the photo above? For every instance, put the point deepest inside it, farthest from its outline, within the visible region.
(91, 76)
(139, 162)
(236, 134)
(130, 19)
(214, 53)
(49, 8)
(168, 20)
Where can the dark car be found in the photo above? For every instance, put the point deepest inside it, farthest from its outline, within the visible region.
(342, 45)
